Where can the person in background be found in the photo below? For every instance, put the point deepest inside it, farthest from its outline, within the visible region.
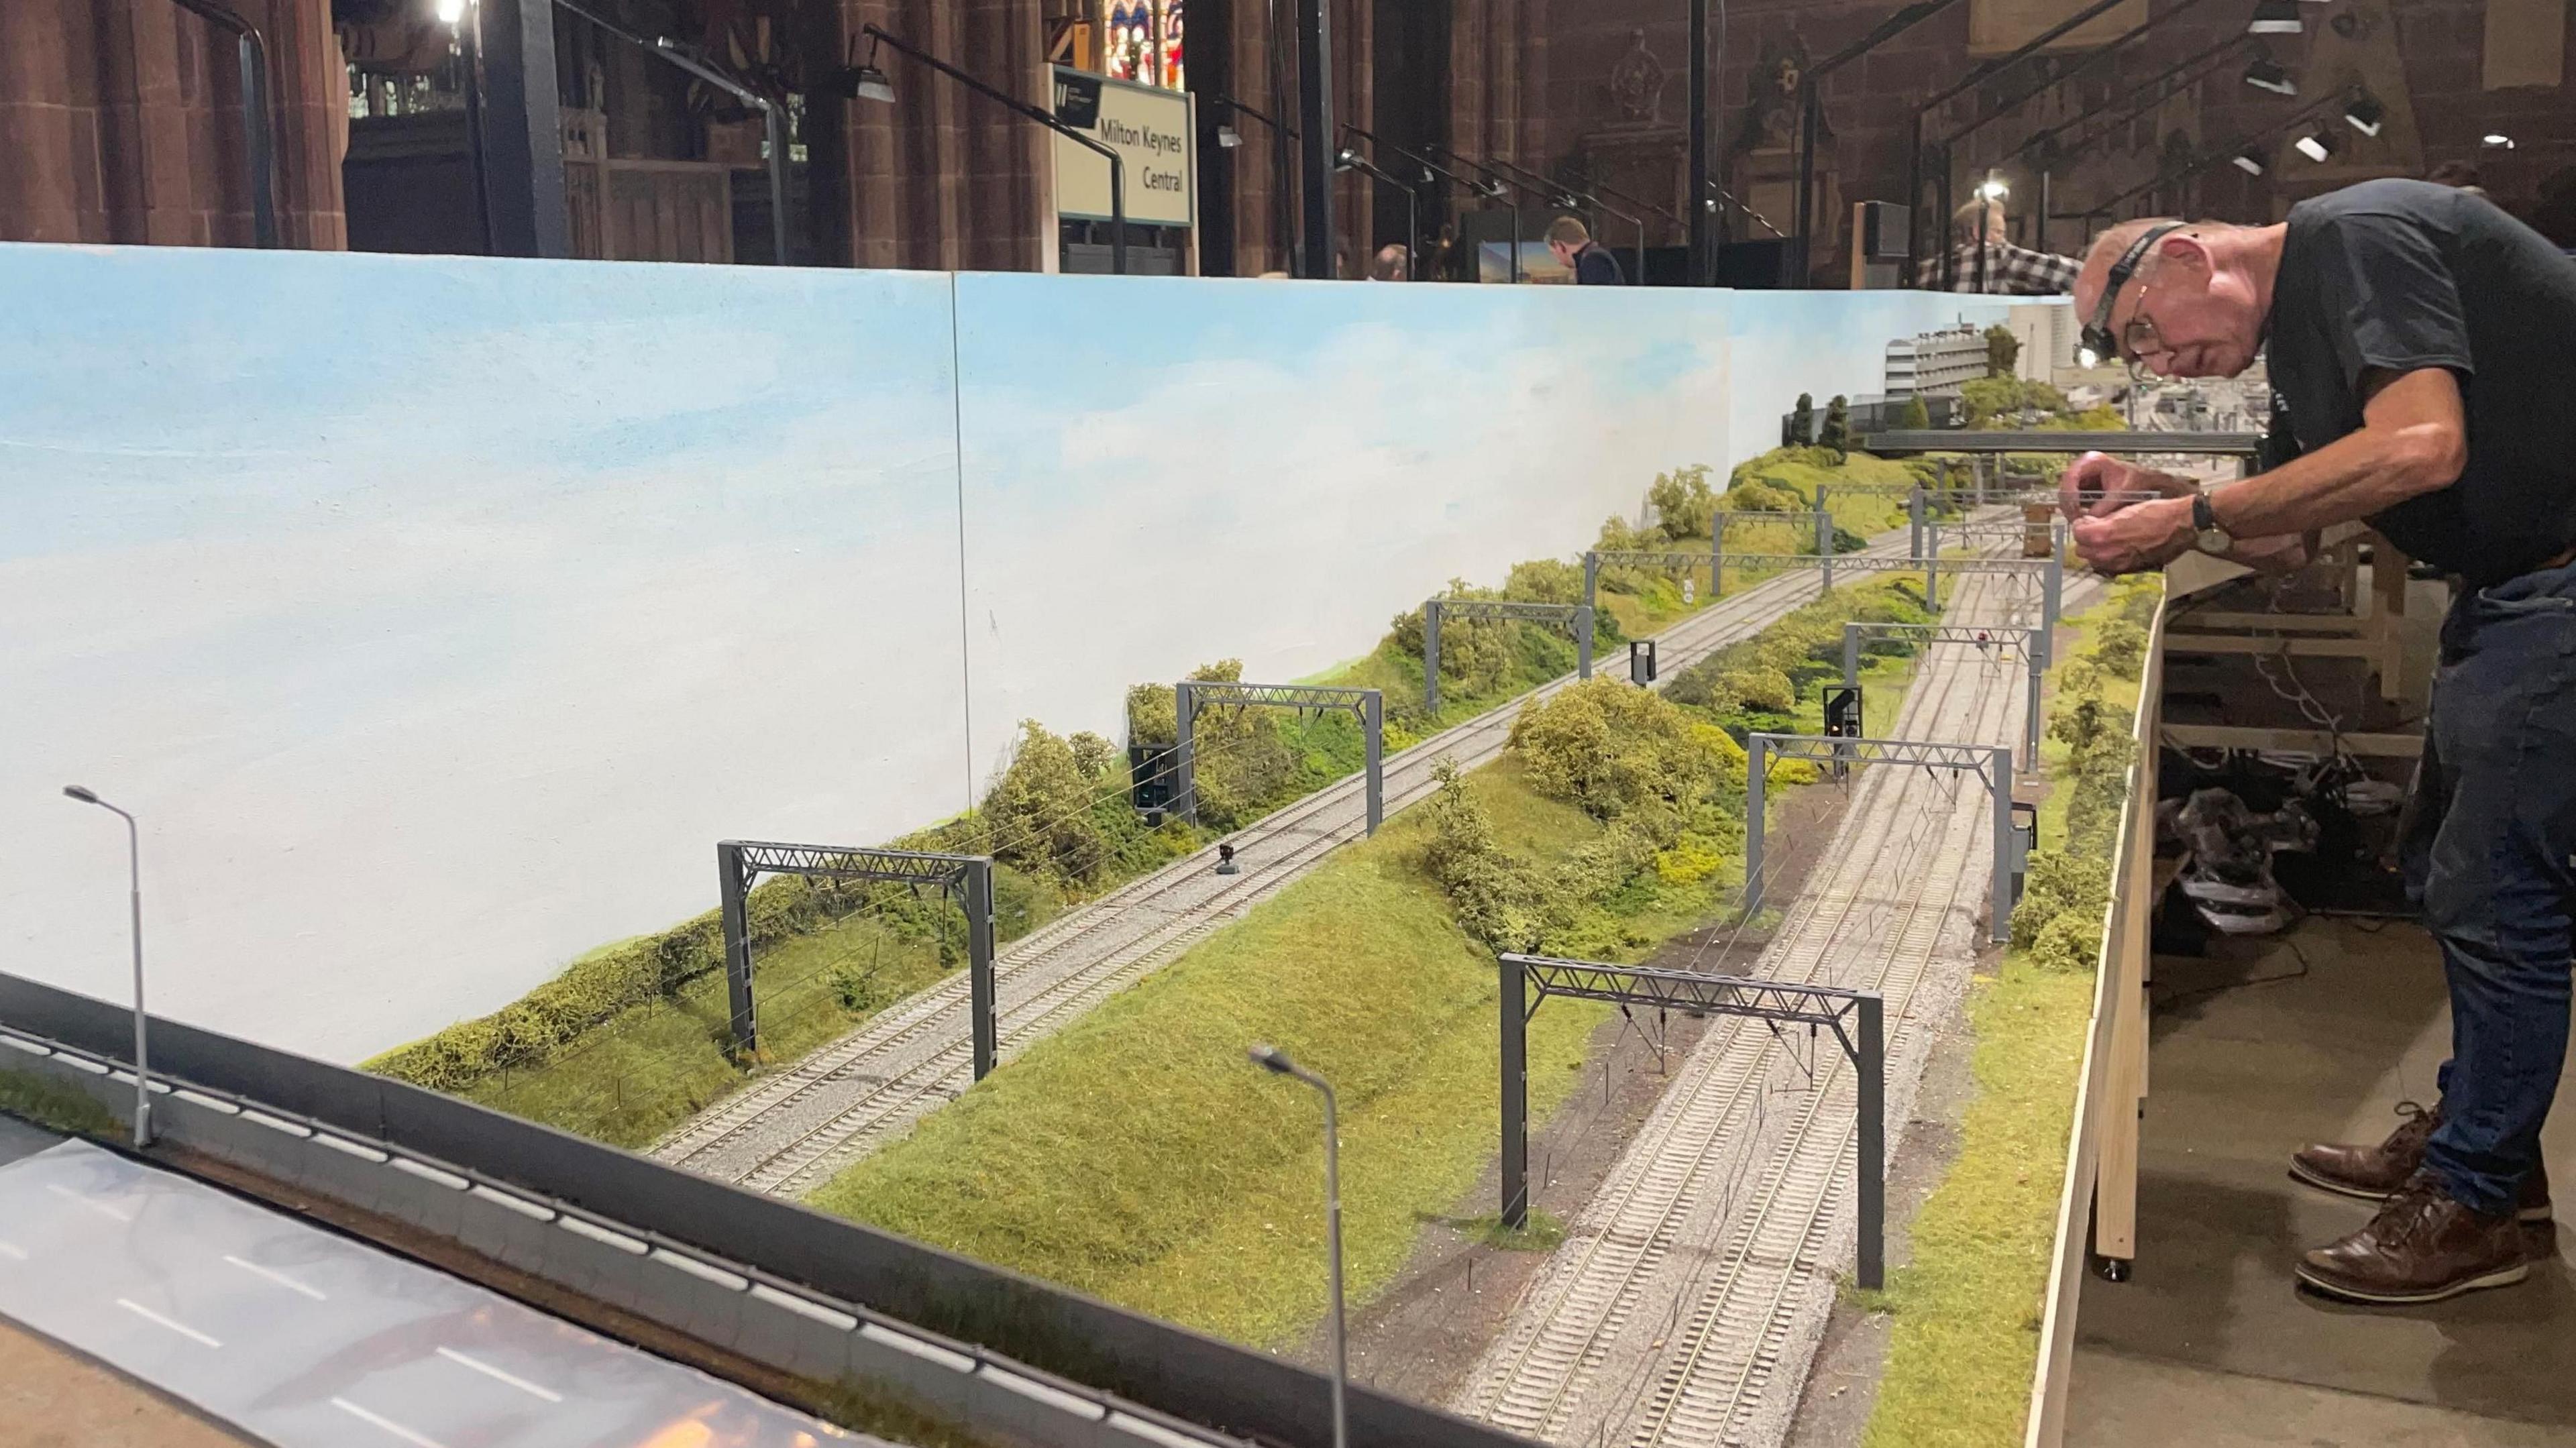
(1391, 264)
(1570, 242)
(1983, 261)
(2418, 338)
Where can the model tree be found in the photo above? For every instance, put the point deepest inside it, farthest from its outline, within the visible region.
(1914, 416)
(2003, 351)
(1802, 421)
(1837, 431)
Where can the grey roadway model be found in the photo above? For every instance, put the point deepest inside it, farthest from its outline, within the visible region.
(309, 1340)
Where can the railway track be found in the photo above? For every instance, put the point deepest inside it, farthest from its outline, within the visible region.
(790, 1132)
(1684, 1286)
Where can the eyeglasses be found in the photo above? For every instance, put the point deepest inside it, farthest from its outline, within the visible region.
(2138, 336)
(2097, 334)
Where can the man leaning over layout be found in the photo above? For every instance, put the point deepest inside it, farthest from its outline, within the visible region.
(2423, 345)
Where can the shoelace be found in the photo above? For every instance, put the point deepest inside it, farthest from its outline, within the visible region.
(2404, 1216)
(2419, 1119)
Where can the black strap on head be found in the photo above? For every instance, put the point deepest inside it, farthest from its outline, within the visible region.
(2097, 333)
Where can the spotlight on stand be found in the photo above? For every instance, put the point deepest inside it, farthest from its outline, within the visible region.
(2365, 115)
(2316, 145)
(1227, 137)
(450, 12)
(1993, 189)
(2249, 160)
(2265, 73)
(864, 82)
(2496, 141)
(2275, 17)
(1345, 159)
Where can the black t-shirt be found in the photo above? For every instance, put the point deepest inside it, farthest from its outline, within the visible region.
(2403, 275)
(1594, 266)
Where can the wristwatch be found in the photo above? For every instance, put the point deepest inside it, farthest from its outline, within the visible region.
(2204, 520)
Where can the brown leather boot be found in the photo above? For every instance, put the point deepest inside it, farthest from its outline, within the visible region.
(2422, 1247)
(2379, 1171)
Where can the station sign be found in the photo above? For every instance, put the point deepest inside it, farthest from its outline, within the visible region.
(1152, 131)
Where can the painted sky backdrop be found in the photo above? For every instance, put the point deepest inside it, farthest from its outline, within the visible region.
(1276, 472)
(438, 615)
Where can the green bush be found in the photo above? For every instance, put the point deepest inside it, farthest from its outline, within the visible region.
(2067, 893)
(1683, 502)
(2072, 943)
(1040, 812)
(1541, 580)
(1500, 900)
(1618, 535)
(1762, 495)
(1614, 749)
(1097, 758)
(1246, 765)
(2058, 882)
(2120, 646)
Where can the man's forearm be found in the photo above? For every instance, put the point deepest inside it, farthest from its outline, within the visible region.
(2279, 553)
(2348, 479)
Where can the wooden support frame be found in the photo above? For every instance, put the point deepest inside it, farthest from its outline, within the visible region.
(2099, 1196)
(2302, 741)
(2377, 637)
(2293, 647)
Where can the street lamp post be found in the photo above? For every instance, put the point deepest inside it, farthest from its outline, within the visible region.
(134, 897)
(1271, 1058)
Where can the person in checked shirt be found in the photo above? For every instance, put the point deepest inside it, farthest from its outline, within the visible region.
(2004, 269)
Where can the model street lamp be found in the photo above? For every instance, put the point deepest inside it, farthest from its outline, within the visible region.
(1272, 1059)
(134, 896)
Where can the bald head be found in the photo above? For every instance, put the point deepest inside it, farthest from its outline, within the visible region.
(2106, 251)
(2197, 302)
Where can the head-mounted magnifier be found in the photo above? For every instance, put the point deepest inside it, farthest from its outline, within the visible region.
(2097, 333)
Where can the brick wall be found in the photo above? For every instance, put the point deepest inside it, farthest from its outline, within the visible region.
(120, 121)
(2424, 58)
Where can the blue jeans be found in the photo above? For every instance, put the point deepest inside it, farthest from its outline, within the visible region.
(2490, 857)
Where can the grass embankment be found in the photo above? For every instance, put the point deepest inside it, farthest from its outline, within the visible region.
(651, 1066)
(633, 1039)
(56, 1107)
(1967, 1307)
(1140, 1157)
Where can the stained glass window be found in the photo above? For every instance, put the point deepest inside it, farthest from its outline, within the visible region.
(1141, 41)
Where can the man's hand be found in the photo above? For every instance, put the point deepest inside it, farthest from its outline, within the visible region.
(2136, 538)
(2098, 485)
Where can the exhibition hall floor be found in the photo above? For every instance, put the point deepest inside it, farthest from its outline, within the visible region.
(2314, 1035)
